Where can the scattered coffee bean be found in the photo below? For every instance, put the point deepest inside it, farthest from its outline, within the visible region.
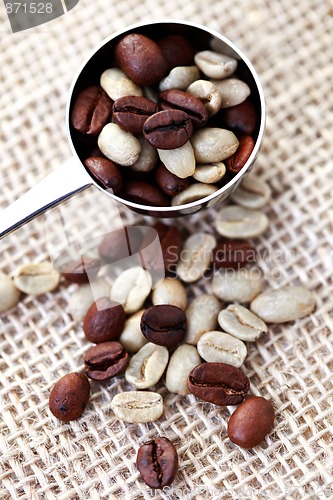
(208, 93)
(179, 78)
(211, 173)
(233, 91)
(144, 193)
(212, 145)
(138, 407)
(233, 254)
(119, 146)
(120, 243)
(171, 292)
(241, 323)
(177, 50)
(237, 161)
(251, 422)
(241, 285)
(194, 192)
(199, 323)
(104, 361)
(157, 461)
(164, 325)
(238, 222)
(220, 347)
(179, 161)
(287, 303)
(130, 112)
(195, 256)
(131, 337)
(35, 279)
(183, 101)
(104, 321)
(85, 295)
(105, 172)
(215, 65)
(81, 271)
(169, 183)
(182, 361)
(91, 111)
(218, 383)
(252, 193)
(131, 288)
(69, 396)
(9, 294)
(147, 366)
(148, 157)
(168, 129)
(116, 84)
(241, 119)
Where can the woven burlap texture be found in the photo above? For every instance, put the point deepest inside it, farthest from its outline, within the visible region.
(290, 44)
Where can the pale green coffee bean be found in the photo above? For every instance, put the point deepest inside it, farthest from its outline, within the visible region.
(36, 278)
(253, 192)
(138, 407)
(182, 361)
(213, 172)
(179, 78)
(85, 295)
(131, 288)
(148, 157)
(241, 285)
(9, 294)
(208, 93)
(147, 366)
(238, 222)
(118, 145)
(220, 347)
(116, 84)
(195, 256)
(201, 317)
(284, 304)
(132, 337)
(233, 91)
(193, 192)
(212, 145)
(170, 291)
(215, 65)
(179, 161)
(241, 323)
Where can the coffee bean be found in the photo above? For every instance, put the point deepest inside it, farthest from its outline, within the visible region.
(198, 323)
(237, 161)
(104, 321)
(177, 50)
(138, 407)
(251, 422)
(131, 288)
(195, 256)
(148, 157)
(252, 193)
(208, 93)
(233, 254)
(194, 192)
(218, 383)
(233, 91)
(141, 59)
(179, 78)
(130, 112)
(157, 461)
(91, 111)
(171, 292)
(116, 84)
(168, 129)
(105, 172)
(104, 361)
(82, 298)
(147, 366)
(241, 323)
(220, 347)
(182, 361)
(69, 396)
(241, 285)
(164, 325)
(191, 105)
(118, 145)
(81, 271)
(210, 173)
(36, 278)
(169, 183)
(9, 294)
(238, 222)
(131, 337)
(144, 193)
(170, 242)
(212, 145)
(215, 65)
(120, 243)
(179, 161)
(241, 119)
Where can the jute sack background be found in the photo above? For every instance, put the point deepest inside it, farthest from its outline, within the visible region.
(290, 44)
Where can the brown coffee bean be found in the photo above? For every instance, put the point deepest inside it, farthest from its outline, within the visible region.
(168, 129)
(251, 422)
(233, 254)
(141, 59)
(130, 112)
(176, 50)
(105, 360)
(91, 111)
(120, 243)
(81, 271)
(218, 383)
(157, 461)
(104, 321)
(164, 325)
(241, 119)
(145, 194)
(105, 172)
(170, 241)
(237, 161)
(170, 183)
(178, 99)
(69, 397)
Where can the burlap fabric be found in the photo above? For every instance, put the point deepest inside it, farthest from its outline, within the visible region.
(290, 44)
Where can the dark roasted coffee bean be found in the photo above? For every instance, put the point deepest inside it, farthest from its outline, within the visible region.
(105, 172)
(141, 59)
(81, 271)
(105, 360)
(130, 112)
(251, 422)
(241, 119)
(237, 161)
(69, 397)
(168, 129)
(91, 111)
(104, 321)
(218, 383)
(176, 50)
(193, 106)
(145, 194)
(120, 243)
(233, 254)
(170, 183)
(157, 461)
(164, 325)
